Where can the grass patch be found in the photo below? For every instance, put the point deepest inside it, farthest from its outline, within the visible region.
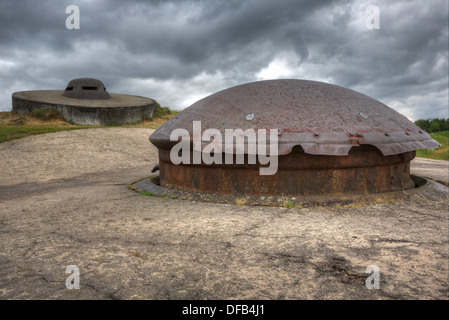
(147, 193)
(286, 202)
(161, 111)
(240, 201)
(46, 114)
(10, 133)
(440, 153)
(14, 126)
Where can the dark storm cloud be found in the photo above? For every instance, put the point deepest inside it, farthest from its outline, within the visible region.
(179, 51)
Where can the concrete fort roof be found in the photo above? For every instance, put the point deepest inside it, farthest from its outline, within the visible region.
(56, 97)
(119, 108)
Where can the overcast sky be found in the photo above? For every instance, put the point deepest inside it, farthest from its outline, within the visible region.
(177, 52)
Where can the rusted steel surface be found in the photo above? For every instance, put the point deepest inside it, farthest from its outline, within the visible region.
(331, 140)
(323, 119)
(362, 172)
(86, 88)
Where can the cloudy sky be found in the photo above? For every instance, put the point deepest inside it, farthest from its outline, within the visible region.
(177, 52)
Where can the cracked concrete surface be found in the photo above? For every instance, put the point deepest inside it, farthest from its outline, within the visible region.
(64, 201)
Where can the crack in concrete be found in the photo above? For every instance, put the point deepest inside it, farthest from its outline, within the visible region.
(106, 295)
(246, 231)
(418, 243)
(420, 213)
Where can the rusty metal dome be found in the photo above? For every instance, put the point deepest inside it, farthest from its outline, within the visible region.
(348, 142)
(322, 118)
(86, 88)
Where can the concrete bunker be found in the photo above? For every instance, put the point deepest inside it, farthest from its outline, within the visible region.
(85, 101)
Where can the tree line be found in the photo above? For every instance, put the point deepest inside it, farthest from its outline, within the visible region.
(433, 125)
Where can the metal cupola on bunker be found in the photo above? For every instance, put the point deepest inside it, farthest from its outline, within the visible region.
(86, 88)
(331, 140)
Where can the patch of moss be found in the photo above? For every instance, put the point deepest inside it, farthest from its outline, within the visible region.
(46, 114)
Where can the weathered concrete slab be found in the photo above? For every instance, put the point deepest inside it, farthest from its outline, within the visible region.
(71, 154)
(429, 168)
(119, 109)
(64, 201)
